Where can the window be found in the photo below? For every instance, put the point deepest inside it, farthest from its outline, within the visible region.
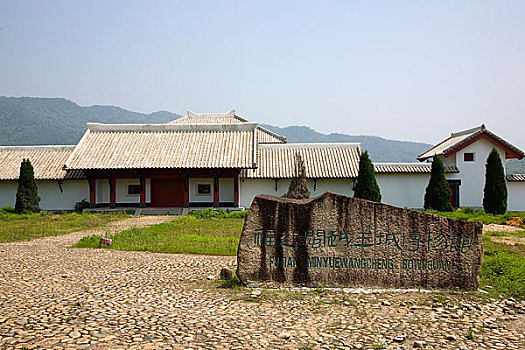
(133, 189)
(468, 157)
(203, 189)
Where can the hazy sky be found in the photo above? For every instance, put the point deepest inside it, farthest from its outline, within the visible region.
(409, 70)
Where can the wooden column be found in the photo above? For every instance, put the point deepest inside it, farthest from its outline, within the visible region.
(236, 190)
(215, 191)
(142, 182)
(112, 194)
(186, 191)
(92, 193)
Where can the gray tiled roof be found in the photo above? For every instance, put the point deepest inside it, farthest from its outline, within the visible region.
(516, 177)
(209, 118)
(124, 146)
(192, 118)
(322, 160)
(424, 168)
(47, 161)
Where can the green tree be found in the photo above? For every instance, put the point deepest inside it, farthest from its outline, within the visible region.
(366, 187)
(298, 188)
(27, 198)
(437, 194)
(495, 191)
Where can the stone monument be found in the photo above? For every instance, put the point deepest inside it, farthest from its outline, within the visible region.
(344, 241)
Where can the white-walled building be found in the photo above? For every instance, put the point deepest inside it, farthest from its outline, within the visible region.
(222, 160)
(468, 151)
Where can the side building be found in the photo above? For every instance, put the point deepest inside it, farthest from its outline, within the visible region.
(223, 160)
(58, 189)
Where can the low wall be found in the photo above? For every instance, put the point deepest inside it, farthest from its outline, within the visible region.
(51, 198)
(516, 195)
(249, 188)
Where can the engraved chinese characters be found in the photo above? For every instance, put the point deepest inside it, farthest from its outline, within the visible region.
(343, 241)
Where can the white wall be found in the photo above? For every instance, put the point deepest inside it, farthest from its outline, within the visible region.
(449, 161)
(122, 196)
(121, 191)
(49, 192)
(226, 190)
(403, 190)
(516, 197)
(8, 193)
(249, 188)
(102, 191)
(472, 174)
(194, 196)
(52, 199)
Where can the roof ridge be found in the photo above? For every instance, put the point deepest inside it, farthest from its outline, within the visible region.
(47, 148)
(468, 131)
(402, 163)
(312, 145)
(100, 127)
(231, 114)
(280, 137)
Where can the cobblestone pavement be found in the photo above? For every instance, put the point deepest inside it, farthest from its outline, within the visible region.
(52, 296)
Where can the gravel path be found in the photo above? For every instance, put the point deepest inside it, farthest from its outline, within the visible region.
(503, 228)
(53, 296)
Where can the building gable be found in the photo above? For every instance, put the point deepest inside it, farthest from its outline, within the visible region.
(460, 140)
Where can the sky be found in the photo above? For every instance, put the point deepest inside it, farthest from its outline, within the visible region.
(406, 70)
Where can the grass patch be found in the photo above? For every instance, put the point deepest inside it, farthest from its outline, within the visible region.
(518, 234)
(186, 234)
(503, 268)
(233, 282)
(23, 227)
(470, 214)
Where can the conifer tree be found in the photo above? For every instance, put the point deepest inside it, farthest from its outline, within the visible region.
(298, 187)
(366, 187)
(495, 191)
(27, 198)
(437, 193)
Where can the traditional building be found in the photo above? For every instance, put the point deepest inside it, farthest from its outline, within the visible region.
(222, 160)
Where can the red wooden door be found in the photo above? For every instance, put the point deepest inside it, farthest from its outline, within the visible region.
(453, 195)
(167, 193)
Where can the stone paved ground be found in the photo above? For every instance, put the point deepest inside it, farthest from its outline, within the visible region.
(52, 296)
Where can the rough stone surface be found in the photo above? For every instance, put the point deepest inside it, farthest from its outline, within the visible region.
(226, 274)
(343, 241)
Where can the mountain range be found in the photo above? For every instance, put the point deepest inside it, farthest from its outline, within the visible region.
(58, 121)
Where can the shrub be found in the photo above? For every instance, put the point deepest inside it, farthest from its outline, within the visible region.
(298, 187)
(211, 213)
(27, 198)
(7, 210)
(366, 187)
(468, 210)
(240, 214)
(80, 206)
(437, 193)
(495, 191)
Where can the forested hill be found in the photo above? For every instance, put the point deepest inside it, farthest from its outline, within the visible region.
(57, 121)
(380, 149)
(52, 121)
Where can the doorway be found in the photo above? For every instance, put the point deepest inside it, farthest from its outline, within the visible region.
(167, 192)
